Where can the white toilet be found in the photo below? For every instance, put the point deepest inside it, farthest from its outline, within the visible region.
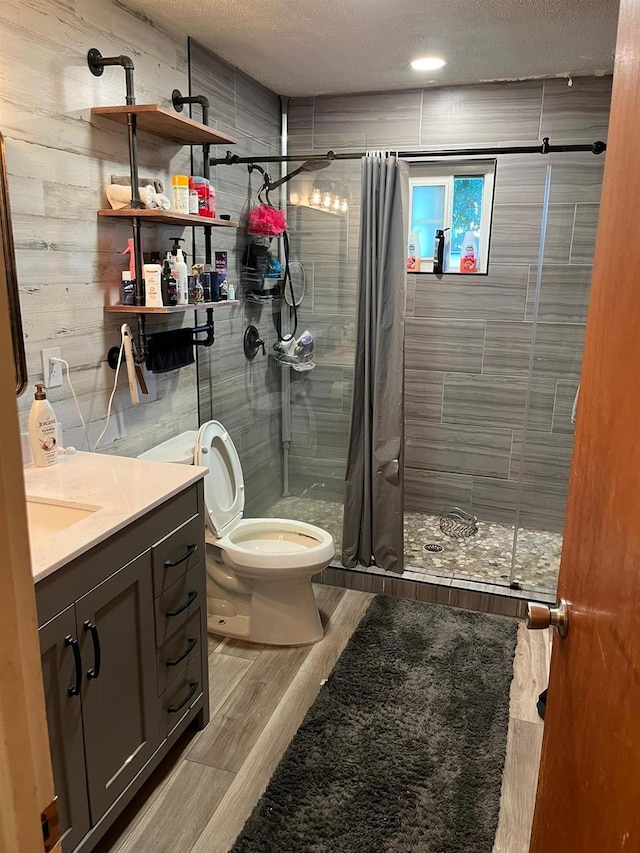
(259, 570)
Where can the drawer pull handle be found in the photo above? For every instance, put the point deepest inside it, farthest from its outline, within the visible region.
(171, 564)
(75, 648)
(173, 709)
(94, 672)
(190, 645)
(191, 597)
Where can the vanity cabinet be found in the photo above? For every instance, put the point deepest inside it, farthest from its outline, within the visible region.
(123, 663)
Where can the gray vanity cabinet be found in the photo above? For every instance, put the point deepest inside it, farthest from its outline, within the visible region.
(62, 686)
(119, 703)
(123, 639)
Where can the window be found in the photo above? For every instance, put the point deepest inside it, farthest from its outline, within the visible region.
(460, 201)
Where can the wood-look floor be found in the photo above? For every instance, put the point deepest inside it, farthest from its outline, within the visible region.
(199, 799)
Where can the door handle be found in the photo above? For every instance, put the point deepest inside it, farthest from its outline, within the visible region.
(94, 672)
(541, 616)
(73, 643)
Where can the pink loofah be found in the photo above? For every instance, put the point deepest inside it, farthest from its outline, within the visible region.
(266, 220)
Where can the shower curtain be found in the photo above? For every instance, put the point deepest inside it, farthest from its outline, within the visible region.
(374, 495)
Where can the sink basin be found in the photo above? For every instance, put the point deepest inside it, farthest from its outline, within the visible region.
(47, 517)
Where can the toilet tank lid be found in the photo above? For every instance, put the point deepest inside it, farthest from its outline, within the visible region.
(177, 449)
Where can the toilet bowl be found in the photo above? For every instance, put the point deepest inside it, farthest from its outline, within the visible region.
(259, 570)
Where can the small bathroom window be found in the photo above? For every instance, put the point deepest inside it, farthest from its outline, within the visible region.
(458, 201)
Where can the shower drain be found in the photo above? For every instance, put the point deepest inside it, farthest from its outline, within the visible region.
(433, 548)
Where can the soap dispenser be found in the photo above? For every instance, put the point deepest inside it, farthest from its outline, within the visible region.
(43, 430)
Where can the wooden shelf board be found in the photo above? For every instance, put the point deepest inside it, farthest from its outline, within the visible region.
(169, 217)
(167, 309)
(166, 124)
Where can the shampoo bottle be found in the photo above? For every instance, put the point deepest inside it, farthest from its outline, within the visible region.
(43, 430)
(469, 257)
(182, 275)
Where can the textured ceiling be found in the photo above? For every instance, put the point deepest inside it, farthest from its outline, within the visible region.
(315, 47)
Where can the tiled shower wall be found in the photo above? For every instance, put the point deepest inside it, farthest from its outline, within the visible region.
(468, 340)
(59, 159)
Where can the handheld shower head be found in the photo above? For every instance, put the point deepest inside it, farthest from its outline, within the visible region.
(307, 166)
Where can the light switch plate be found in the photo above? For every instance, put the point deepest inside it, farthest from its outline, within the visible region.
(51, 373)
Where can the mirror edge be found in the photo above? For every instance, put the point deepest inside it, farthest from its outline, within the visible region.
(11, 276)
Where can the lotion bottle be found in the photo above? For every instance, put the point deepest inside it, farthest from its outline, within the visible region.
(153, 285)
(182, 278)
(43, 430)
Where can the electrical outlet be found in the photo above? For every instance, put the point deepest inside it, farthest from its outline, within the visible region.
(51, 373)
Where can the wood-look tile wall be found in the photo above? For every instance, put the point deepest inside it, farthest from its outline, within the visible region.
(69, 264)
(468, 340)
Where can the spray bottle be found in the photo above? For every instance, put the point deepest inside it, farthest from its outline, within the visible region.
(438, 251)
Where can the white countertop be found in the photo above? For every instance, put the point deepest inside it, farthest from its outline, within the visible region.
(122, 489)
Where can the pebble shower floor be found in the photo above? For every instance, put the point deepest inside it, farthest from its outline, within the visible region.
(485, 556)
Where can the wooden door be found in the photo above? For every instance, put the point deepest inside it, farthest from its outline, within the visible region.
(119, 693)
(62, 673)
(589, 786)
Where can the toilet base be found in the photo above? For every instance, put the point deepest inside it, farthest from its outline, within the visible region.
(281, 613)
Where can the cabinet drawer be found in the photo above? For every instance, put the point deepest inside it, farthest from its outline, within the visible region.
(178, 603)
(181, 695)
(174, 555)
(179, 650)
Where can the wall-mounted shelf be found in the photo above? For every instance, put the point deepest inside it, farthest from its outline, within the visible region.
(168, 309)
(168, 217)
(168, 125)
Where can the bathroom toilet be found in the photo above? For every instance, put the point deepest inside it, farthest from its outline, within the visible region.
(259, 570)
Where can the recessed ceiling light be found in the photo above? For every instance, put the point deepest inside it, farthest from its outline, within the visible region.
(428, 63)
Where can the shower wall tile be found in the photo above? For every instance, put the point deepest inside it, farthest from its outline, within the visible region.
(423, 395)
(494, 499)
(494, 112)
(558, 350)
(454, 345)
(431, 491)
(578, 113)
(547, 458)
(385, 119)
(317, 235)
(543, 505)
(564, 293)
(411, 296)
(317, 478)
(500, 295)
(515, 233)
(507, 347)
(496, 400)
(300, 124)
(217, 78)
(336, 288)
(576, 177)
(257, 108)
(566, 390)
(322, 435)
(520, 180)
(324, 388)
(461, 449)
(584, 233)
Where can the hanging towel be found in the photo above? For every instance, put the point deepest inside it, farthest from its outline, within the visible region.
(170, 350)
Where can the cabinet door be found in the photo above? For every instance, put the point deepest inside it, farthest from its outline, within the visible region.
(119, 694)
(62, 676)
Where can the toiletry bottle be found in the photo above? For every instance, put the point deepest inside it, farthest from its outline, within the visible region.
(43, 430)
(438, 250)
(127, 289)
(193, 197)
(413, 253)
(469, 257)
(153, 285)
(169, 284)
(183, 284)
(180, 185)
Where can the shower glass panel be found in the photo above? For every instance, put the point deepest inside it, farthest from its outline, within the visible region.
(556, 309)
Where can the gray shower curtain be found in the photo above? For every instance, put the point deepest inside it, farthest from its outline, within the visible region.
(374, 495)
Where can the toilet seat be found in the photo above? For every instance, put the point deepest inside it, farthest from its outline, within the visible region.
(224, 484)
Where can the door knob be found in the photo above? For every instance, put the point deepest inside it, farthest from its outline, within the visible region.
(540, 616)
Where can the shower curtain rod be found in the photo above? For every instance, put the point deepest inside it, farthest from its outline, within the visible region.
(545, 147)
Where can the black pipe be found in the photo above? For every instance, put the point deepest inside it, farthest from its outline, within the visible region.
(545, 147)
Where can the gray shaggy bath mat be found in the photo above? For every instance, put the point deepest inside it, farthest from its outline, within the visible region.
(404, 746)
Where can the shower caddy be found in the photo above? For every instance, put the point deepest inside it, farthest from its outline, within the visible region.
(173, 127)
